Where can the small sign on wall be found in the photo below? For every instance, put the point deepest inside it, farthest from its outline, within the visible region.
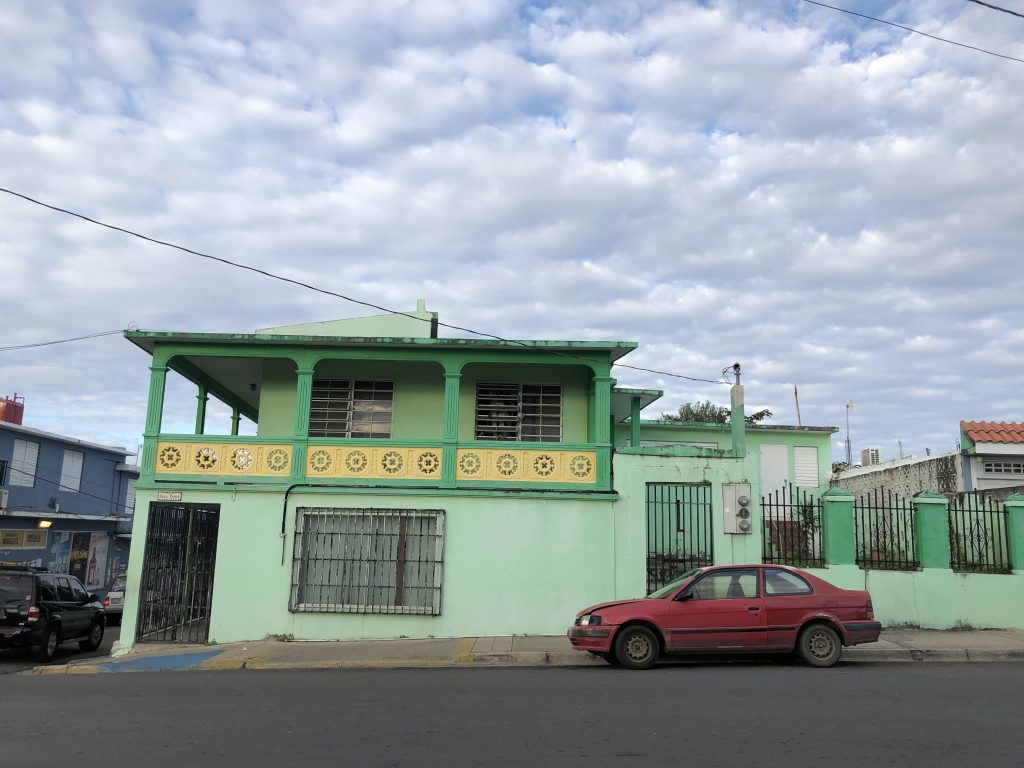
(168, 495)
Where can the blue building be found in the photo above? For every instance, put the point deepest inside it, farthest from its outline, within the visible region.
(65, 504)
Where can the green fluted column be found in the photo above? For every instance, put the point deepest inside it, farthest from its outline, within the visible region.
(303, 395)
(931, 529)
(154, 415)
(203, 399)
(838, 536)
(1015, 530)
(236, 419)
(450, 438)
(601, 405)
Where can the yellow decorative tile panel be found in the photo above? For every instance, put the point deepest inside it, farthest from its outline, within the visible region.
(372, 462)
(537, 466)
(233, 459)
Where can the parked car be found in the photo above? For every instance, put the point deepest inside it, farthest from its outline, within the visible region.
(41, 610)
(730, 609)
(113, 603)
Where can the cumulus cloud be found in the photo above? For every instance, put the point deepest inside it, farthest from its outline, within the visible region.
(831, 202)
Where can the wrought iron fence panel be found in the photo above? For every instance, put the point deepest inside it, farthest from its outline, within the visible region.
(678, 531)
(884, 531)
(791, 520)
(977, 535)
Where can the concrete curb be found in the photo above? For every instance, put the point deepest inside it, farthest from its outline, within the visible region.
(526, 659)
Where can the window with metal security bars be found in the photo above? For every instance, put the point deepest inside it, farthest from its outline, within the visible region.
(1004, 467)
(521, 412)
(351, 408)
(367, 561)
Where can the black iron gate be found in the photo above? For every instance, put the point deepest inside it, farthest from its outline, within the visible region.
(678, 530)
(177, 573)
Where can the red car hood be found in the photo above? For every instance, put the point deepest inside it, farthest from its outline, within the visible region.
(612, 604)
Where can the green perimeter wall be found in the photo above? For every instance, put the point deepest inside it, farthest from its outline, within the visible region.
(937, 598)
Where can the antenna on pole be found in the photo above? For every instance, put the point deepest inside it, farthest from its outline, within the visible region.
(736, 371)
(796, 397)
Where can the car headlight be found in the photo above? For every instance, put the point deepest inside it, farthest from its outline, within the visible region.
(590, 620)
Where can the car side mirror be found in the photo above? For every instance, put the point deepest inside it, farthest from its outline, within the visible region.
(94, 598)
(684, 595)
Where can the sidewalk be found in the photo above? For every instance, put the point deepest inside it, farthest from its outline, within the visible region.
(533, 651)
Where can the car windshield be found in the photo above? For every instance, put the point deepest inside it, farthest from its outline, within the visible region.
(673, 585)
(118, 585)
(15, 586)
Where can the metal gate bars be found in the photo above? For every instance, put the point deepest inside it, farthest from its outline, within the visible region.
(177, 573)
(678, 530)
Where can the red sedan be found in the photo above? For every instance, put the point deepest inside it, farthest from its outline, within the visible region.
(730, 609)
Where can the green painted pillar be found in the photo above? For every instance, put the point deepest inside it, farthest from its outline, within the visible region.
(203, 399)
(1015, 529)
(303, 395)
(931, 529)
(450, 438)
(154, 415)
(601, 405)
(838, 536)
(236, 419)
(634, 423)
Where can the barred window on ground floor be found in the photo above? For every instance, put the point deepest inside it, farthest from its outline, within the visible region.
(367, 561)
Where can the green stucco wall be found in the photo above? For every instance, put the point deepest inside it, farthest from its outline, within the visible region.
(511, 566)
(277, 399)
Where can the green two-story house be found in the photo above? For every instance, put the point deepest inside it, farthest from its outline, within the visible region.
(400, 484)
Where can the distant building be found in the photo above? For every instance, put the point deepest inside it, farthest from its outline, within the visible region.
(993, 454)
(869, 456)
(65, 504)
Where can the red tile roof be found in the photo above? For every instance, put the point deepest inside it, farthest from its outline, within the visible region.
(993, 431)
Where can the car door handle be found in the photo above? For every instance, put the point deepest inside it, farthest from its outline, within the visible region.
(754, 608)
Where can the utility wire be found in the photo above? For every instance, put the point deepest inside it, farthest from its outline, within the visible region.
(915, 31)
(997, 8)
(47, 480)
(324, 291)
(61, 341)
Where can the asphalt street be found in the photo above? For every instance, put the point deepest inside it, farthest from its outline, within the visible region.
(736, 714)
(21, 660)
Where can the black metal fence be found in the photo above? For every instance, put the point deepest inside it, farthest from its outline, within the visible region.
(678, 531)
(977, 535)
(177, 573)
(884, 531)
(792, 528)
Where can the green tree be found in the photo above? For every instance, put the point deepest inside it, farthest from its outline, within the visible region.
(706, 412)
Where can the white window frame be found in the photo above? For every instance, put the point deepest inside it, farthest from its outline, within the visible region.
(502, 414)
(71, 470)
(805, 467)
(23, 463)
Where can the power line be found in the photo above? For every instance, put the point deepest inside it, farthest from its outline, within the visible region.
(915, 31)
(61, 341)
(47, 480)
(997, 8)
(317, 289)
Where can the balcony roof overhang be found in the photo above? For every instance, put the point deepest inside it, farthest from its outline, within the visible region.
(622, 401)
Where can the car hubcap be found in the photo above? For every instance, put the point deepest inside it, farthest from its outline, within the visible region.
(51, 643)
(638, 647)
(821, 645)
(97, 633)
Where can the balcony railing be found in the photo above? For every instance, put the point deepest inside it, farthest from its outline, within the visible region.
(475, 463)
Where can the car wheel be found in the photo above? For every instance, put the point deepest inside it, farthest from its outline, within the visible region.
(636, 648)
(95, 637)
(819, 645)
(48, 649)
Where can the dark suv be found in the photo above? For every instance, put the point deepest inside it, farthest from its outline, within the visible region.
(41, 610)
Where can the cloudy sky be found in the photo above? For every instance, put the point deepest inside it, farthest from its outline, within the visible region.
(835, 203)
